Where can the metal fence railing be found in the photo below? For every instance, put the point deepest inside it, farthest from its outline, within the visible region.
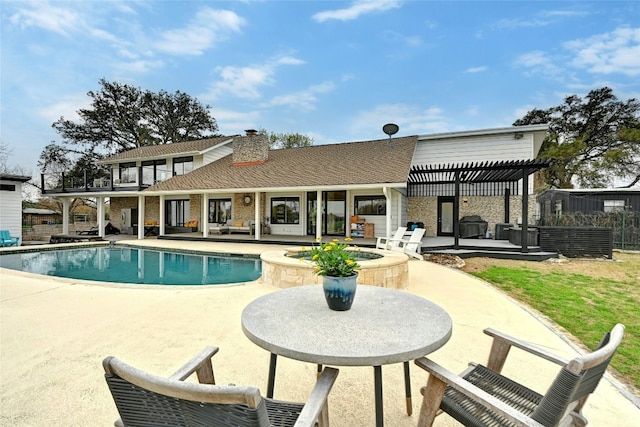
(625, 225)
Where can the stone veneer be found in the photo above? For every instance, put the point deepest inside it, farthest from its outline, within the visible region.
(280, 270)
(250, 149)
(195, 209)
(490, 209)
(151, 208)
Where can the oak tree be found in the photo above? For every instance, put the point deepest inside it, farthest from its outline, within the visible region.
(122, 117)
(593, 141)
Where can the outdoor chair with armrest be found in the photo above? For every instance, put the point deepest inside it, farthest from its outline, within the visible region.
(413, 246)
(481, 396)
(144, 399)
(386, 242)
(7, 240)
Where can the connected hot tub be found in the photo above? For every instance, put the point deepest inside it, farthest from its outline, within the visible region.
(285, 269)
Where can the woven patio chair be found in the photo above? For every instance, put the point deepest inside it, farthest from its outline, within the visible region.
(481, 396)
(144, 399)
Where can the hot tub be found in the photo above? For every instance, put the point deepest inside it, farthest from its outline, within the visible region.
(284, 269)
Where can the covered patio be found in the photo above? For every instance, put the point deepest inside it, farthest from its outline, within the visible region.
(501, 178)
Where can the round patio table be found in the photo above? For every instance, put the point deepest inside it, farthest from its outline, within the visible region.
(383, 326)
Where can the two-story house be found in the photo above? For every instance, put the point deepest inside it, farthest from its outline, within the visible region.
(235, 183)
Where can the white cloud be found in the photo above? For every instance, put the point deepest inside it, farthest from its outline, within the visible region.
(411, 119)
(245, 82)
(305, 99)
(51, 18)
(614, 52)
(66, 107)
(358, 8)
(474, 70)
(540, 19)
(289, 60)
(138, 66)
(538, 62)
(235, 122)
(208, 27)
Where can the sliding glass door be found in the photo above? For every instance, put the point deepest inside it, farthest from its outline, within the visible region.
(334, 205)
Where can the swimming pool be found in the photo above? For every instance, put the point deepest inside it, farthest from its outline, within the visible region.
(136, 266)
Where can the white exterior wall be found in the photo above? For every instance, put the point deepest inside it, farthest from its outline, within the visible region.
(485, 148)
(379, 221)
(213, 155)
(473, 149)
(289, 229)
(11, 209)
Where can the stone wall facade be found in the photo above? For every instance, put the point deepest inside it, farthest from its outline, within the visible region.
(390, 271)
(43, 232)
(152, 209)
(195, 209)
(119, 203)
(250, 149)
(489, 208)
(242, 211)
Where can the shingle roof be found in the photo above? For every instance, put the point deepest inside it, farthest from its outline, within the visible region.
(164, 150)
(367, 162)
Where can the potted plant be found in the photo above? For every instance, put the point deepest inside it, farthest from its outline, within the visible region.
(336, 262)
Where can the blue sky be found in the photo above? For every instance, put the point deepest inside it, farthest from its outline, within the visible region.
(334, 70)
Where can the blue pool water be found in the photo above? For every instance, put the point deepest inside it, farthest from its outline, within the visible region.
(131, 265)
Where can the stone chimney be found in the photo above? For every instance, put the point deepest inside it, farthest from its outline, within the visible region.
(252, 149)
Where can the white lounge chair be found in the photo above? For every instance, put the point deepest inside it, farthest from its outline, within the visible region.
(386, 242)
(413, 245)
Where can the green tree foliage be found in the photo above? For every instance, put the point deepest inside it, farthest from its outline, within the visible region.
(122, 117)
(286, 140)
(592, 140)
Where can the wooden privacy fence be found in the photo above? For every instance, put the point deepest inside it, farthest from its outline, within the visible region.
(576, 242)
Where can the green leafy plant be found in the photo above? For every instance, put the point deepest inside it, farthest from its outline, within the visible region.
(334, 259)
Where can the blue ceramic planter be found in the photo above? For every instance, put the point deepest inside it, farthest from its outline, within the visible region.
(339, 291)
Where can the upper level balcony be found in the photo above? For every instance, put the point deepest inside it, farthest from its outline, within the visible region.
(135, 179)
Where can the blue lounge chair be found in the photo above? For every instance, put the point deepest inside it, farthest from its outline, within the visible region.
(7, 240)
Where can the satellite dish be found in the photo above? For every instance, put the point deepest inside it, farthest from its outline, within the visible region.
(390, 129)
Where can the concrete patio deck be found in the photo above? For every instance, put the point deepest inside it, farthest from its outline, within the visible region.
(55, 332)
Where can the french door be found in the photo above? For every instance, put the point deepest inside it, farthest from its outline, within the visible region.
(445, 216)
(334, 213)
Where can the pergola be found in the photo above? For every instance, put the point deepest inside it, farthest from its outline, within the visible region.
(477, 179)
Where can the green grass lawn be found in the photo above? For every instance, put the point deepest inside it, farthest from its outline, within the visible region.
(585, 304)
